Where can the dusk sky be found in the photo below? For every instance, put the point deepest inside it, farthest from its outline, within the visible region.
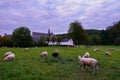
(40, 15)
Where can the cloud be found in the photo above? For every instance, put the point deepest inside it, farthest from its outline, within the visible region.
(39, 15)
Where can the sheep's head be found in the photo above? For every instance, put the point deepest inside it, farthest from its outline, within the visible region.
(79, 57)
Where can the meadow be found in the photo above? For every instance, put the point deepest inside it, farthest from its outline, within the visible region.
(30, 66)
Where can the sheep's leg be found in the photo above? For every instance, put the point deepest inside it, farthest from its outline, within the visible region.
(83, 67)
(93, 70)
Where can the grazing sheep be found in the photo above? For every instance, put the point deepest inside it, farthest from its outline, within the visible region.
(55, 53)
(9, 57)
(111, 49)
(86, 55)
(26, 49)
(7, 53)
(88, 62)
(107, 53)
(44, 54)
(96, 50)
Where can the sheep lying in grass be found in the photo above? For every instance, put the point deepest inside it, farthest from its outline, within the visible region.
(44, 54)
(55, 53)
(7, 53)
(88, 62)
(86, 55)
(107, 53)
(96, 50)
(26, 49)
(9, 57)
(111, 49)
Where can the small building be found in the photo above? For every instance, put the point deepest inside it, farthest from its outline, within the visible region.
(67, 42)
(64, 42)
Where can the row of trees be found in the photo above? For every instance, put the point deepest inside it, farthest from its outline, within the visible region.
(5, 41)
(110, 36)
(21, 36)
(43, 41)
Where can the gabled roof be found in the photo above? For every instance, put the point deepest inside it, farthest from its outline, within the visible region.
(39, 34)
(65, 40)
(36, 34)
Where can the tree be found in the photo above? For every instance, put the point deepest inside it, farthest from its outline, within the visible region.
(48, 39)
(113, 32)
(53, 39)
(117, 41)
(5, 41)
(95, 39)
(21, 37)
(58, 39)
(42, 41)
(104, 37)
(77, 33)
(1, 41)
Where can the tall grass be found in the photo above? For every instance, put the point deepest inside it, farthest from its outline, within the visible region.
(30, 66)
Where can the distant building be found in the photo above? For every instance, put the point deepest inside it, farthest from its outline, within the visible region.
(67, 42)
(64, 42)
(36, 35)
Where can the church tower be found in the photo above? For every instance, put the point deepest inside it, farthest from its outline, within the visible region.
(49, 33)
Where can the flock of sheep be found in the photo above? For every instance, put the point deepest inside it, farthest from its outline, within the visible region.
(84, 60)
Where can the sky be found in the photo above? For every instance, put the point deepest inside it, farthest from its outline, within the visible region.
(56, 15)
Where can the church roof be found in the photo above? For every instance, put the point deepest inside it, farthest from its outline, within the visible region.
(36, 34)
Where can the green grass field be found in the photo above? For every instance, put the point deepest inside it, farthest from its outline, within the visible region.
(30, 66)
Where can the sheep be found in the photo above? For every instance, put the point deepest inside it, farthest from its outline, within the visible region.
(88, 62)
(111, 49)
(86, 55)
(7, 53)
(44, 54)
(95, 50)
(107, 53)
(55, 53)
(26, 49)
(9, 57)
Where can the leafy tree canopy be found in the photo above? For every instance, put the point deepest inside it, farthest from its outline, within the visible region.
(77, 33)
(21, 37)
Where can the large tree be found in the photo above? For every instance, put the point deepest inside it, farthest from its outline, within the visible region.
(5, 41)
(113, 32)
(42, 41)
(95, 39)
(77, 33)
(53, 39)
(21, 37)
(58, 39)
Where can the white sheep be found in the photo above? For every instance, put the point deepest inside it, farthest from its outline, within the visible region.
(9, 57)
(86, 55)
(26, 49)
(88, 62)
(7, 53)
(44, 54)
(107, 53)
(96, 50)
(111, 49)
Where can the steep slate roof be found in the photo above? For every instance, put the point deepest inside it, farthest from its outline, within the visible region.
(65, 40)
(36, 34)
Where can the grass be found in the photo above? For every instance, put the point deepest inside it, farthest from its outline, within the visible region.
(30, 66)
